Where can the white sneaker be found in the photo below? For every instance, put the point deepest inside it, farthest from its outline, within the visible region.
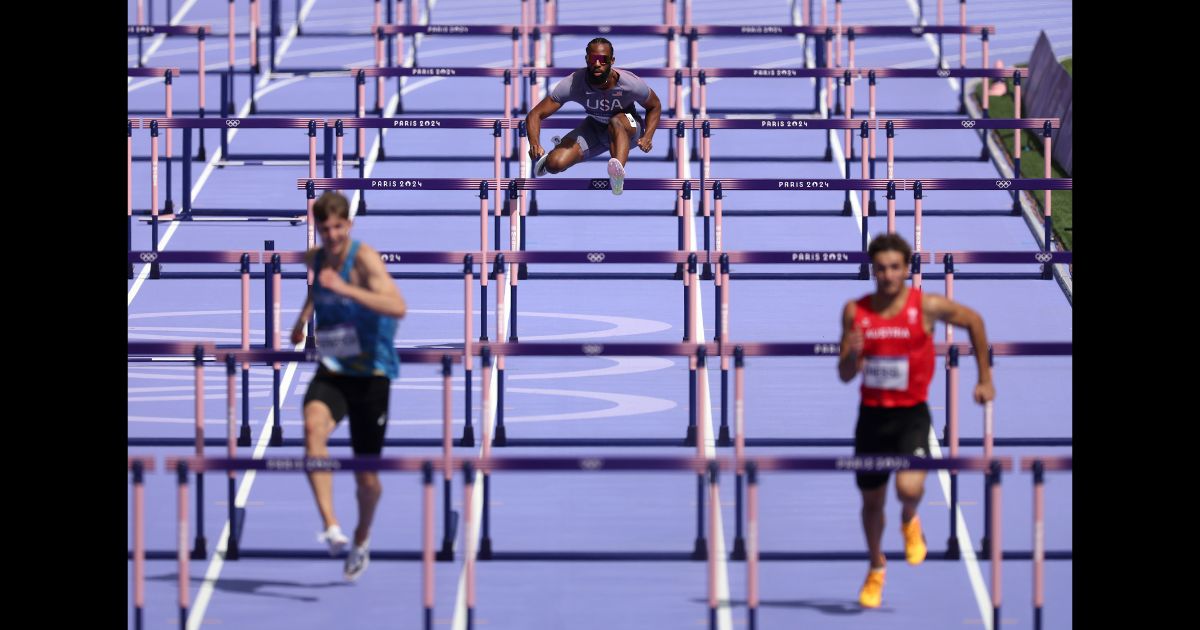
(616, 176)
(357, 561)
(334, 537)
(539, 169)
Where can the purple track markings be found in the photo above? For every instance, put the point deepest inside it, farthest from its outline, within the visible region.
(594, 397)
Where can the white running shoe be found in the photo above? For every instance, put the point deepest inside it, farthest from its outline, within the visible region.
(357, 561)
(539, 169)
(334, 537)
(616, 176)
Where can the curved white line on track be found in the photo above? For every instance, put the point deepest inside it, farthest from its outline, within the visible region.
(623, 405)
(619, 326)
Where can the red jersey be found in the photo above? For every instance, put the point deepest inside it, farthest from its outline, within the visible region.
(898, 354)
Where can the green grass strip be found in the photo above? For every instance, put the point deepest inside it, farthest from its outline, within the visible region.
(1033, 163)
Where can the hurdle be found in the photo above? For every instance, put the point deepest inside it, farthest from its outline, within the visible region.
(200, 32)
(502, 166)
(138, 466)
(130, 125)
(919, 29)
(918, 186)
(187, 212)
(425, 554)
(385, 14)
(272, 276)
(992, 468)
(207, 352)
(1039, 465)
(869, 148)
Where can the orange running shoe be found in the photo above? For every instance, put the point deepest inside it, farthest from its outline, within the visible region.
(914, 541)
(871, 594)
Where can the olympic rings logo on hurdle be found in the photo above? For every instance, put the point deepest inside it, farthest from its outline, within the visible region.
(1004, 183)
(917, 30)
(592, 349)
(1043, 257)
(232, 122)
(604, 29)
(600, 184)
(591, 463)
(943, 72)
(968, 123)
(595, 257)
(148, 257)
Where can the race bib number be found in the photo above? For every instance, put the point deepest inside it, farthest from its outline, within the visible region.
(889, 373)
(339, 341)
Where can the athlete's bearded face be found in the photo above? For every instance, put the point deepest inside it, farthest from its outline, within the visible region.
(890, 271)
(599, 63)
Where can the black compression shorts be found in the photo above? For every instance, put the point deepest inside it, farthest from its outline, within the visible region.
(890, 431)
(365, 398)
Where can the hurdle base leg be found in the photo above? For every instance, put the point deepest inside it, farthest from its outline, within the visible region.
(739, 549)
(700, 550)
(235, 534)
(952, 550)
(723, 438)
(522, 272)
(362, 206)
(244, 436)
(501, 437)
(276, 436)
(131, 271)
(985, 547)
(446, 553)
(468, 436)
(871, 207)
(485, 548)
(1016, 207)
(199, 548)
(155, 270)
(706, 272)
(690, 438)
(678, 272)
(847, 209)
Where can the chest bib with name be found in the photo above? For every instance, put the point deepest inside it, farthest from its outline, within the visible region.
(886, 373)
(339, 341)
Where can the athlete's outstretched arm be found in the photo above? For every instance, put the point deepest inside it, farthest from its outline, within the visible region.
(381, 295)
(850, 358)
(955, 314)
(653, 113)
(533, 125)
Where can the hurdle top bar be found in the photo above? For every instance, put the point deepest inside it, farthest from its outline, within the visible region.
(851, 463)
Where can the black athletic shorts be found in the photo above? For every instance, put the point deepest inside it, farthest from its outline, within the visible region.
(366, 400)
(890, 431)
